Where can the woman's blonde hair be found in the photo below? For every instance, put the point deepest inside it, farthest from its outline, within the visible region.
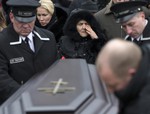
(48, 5)
(2, 19)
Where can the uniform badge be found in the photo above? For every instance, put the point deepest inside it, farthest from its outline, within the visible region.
(16, 60)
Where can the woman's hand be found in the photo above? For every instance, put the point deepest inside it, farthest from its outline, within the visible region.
(90, 31)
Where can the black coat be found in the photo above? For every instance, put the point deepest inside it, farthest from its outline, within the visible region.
(18, 63)
(86, 48)
(135, 98)
(75, 4)
(146, 35)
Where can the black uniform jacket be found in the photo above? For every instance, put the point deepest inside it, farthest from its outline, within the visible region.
(18, 63)
(135, 98)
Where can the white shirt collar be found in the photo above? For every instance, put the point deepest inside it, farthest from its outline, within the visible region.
(30, 36)
(138, 39)
(31, 43)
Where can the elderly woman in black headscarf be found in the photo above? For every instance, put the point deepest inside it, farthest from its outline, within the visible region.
(82, 37)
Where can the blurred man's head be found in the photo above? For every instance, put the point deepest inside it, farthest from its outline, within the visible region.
(117, 63)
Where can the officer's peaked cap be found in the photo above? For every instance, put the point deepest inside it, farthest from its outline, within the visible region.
(124, 11)
(23, 10)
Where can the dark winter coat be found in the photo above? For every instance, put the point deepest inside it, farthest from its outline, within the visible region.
(135, 98)
(72, 45)
(106, 20)
(78, 3)
(146, 35)
(63, 3)
(18, 63)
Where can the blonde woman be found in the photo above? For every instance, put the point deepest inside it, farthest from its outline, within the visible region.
(48, 17)
(45, 12)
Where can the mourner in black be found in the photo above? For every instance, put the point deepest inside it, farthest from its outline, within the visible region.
(82, 37)
(131, 16)
(19, 61)
(125, 69)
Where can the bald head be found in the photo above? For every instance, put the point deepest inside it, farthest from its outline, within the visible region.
(119, 55)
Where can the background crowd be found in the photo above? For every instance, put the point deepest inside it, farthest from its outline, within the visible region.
(33, 32)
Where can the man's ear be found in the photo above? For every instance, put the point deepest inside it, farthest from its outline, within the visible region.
(11, 16)
(143, 14)
(132, 71)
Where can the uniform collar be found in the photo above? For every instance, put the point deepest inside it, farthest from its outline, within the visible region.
(30, 37)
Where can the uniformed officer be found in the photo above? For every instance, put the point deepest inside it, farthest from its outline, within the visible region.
(132, 18)
(19, 59)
